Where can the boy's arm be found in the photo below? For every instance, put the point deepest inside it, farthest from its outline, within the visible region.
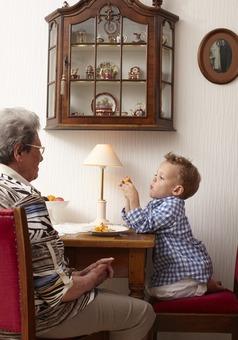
(127, 205)
(155, 216)
(134, 201)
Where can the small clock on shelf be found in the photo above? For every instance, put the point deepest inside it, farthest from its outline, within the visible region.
(134, 73)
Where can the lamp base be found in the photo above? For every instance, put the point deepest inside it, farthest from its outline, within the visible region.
(101, 213)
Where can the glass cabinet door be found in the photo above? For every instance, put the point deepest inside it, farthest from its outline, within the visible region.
(134, 69)
(167, 71)
(52, 52)
(108, 66)
(82, 70)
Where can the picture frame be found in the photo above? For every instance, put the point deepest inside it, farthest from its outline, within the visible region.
(218, 56)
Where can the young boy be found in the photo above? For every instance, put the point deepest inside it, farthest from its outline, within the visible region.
(182, 266)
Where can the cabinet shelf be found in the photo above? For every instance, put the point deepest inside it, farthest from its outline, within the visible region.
(108, 81)
(111, 71)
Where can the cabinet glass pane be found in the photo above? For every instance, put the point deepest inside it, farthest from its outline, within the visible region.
(109, 24)
(134, 62)
(133, 99)
(166, 108)
(134, 32)
(53, 34)
(167, 63)
(81, 96)
(51, 101)
(167, 37)
(82, 62)
(52, 65)
(84, 32)
(108, 62)
(107, 99)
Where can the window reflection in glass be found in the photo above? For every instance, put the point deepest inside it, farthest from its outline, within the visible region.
(166, 109)
(53, 34)
(167, 38)
(51, 101)
(220, 56)
(167, 64)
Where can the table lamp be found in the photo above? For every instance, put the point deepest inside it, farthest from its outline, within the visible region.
(102, 155)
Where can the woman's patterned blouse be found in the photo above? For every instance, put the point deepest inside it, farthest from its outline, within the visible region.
(51, 273)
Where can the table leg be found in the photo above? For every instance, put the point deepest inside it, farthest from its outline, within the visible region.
(136, 274)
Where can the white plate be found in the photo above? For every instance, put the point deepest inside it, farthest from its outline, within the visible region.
(114, 230)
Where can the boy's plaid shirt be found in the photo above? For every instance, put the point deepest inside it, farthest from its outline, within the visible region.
(177, 254)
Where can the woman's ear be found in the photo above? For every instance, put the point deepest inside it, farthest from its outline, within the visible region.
(17, 152)
(178, 190)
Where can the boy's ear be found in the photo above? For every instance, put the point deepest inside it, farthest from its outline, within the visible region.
(178, 190)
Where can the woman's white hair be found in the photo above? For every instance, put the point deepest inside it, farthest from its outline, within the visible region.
(17, 126)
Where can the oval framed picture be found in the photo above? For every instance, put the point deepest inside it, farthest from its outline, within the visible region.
(218, 56)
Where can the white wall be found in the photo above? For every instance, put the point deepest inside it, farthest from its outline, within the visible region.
(205, 119)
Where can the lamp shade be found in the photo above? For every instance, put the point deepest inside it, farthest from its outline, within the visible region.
(102, 155)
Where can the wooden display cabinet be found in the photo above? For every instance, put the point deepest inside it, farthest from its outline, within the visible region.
(111, 66)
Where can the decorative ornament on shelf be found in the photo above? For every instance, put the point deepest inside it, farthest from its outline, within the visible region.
(107, 71)
(112, 38)
(104, 107)
(134, 73)
(157, 3)
(100, 39)
(139, 38)
(110, 15)
(139, 110)
(122, 38)
(106, 104)
(80, 37)
(74, 74)
(65, 4)
(89, 72)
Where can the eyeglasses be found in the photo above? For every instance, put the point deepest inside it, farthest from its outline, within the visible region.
(41, 148)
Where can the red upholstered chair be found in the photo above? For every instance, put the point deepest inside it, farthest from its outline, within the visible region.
(211, 313)
(17, 310)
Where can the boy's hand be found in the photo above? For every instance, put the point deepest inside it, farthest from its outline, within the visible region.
(130, 192)
(126, 179)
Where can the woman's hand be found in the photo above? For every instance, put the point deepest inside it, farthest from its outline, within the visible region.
(106, 260)
(89, 278)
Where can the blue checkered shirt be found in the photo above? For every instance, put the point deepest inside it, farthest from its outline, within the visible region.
(177, 254)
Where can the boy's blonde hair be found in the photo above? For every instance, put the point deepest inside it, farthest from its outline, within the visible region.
(189, 174)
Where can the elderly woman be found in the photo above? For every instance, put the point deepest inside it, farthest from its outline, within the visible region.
(67, 302)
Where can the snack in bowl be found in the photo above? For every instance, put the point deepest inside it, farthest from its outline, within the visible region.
(54, 198)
